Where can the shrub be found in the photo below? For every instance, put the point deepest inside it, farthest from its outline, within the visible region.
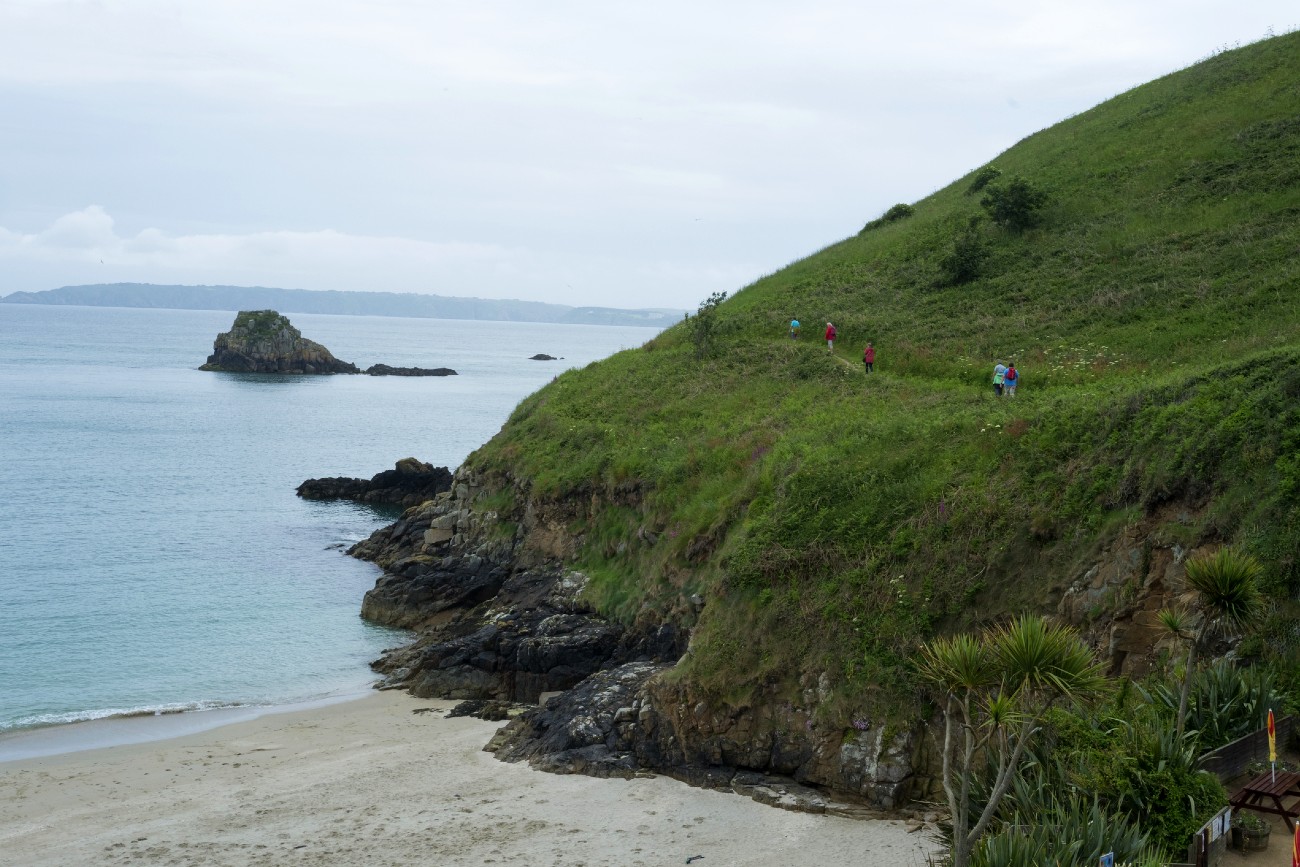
(705, 324)
(965, 261)
(982, 179)
(1016, 206)
(893, 215)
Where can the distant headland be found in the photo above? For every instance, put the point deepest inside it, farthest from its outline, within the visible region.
(237, 298)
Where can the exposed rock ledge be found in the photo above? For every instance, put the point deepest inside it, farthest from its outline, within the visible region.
(385, 370)
(409, 483)
(499, 618)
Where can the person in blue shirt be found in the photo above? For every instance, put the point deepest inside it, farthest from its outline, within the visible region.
(794, 329)
(1010, 379)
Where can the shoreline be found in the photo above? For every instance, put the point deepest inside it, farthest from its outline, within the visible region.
(386, 778)
(142, 727)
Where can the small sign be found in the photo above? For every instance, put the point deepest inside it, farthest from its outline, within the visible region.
(1108, 860)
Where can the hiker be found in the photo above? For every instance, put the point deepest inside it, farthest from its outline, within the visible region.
(869, 356)
(830, 336)
(794, 329)
(1010, 378)
(999, 377)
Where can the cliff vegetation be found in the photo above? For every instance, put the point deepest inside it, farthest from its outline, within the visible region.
(1139, 264)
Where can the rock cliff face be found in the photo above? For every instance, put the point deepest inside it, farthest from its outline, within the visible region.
(263, 341)
(409, 483)
(499, 617)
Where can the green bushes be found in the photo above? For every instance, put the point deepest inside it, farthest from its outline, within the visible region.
(1054, 826)
(705, 324)
(1015, 206)
(1128, 756)
(982, 179)
(965, 262)
(898, 212)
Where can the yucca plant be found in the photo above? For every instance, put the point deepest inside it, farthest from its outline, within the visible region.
(994, 690)
(1050, 827)
(1223, 588)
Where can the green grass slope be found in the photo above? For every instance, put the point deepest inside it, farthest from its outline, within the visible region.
(833, 519)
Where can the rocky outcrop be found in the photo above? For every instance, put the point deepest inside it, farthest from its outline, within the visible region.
(263, 341)
(499, 619)
(385, 370)
(409, 483)
(542, 356)
(1117, 593)
(621, 721)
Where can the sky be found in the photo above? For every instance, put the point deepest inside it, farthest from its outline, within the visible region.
(585, 152)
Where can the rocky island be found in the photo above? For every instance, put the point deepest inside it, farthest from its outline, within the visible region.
(264, 341)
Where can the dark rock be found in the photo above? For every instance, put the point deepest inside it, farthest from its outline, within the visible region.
(385, 370)
(263, 341)
(542, 356)
(409, 483)
(501, 621)
(418, 588)
(505, 639)
(492, 711)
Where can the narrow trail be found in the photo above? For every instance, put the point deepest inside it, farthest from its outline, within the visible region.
(844, 361)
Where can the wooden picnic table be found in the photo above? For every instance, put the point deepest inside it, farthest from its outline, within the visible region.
(1265, 794)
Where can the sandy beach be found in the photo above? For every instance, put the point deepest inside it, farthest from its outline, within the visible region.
(372, 782)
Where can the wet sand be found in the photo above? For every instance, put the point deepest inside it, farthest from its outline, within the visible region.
(371, 782)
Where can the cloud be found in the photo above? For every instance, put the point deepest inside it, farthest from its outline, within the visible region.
(85, 247)
(580, 151)
(89, 235)
(89, 230)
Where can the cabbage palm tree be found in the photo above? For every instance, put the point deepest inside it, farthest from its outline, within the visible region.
(1224, 590)
(995, 689)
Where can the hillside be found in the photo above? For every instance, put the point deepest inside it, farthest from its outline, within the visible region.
(338, 303)
(1154, 319)
(811, 524)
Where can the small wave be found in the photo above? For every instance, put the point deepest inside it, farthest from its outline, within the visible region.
(56, 719)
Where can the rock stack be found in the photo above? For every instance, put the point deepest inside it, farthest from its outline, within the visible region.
(263, 341)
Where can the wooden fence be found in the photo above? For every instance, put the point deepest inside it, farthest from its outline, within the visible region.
(1230, 760)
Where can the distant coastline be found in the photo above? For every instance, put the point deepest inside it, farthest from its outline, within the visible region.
(405, 305)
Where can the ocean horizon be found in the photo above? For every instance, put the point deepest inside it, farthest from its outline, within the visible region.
(154, 557)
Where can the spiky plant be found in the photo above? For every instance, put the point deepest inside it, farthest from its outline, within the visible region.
(995, 689)
(1224, 588)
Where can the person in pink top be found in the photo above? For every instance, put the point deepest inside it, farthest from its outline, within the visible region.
(869, 356)
(830, 336)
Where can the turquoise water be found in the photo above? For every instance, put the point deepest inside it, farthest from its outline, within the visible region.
(153, 555)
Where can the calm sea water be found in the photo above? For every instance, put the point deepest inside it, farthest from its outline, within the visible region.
(153, 555)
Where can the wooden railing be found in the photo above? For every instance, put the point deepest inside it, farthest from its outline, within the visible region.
(1230, 760)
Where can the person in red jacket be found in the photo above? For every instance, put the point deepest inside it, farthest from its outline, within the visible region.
(830, 337)
(869, 356)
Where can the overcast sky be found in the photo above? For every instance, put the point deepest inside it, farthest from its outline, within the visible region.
(575, 151)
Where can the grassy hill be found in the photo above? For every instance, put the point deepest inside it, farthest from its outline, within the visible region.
(833, 519)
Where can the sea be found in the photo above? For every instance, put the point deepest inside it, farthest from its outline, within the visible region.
(154, 558)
